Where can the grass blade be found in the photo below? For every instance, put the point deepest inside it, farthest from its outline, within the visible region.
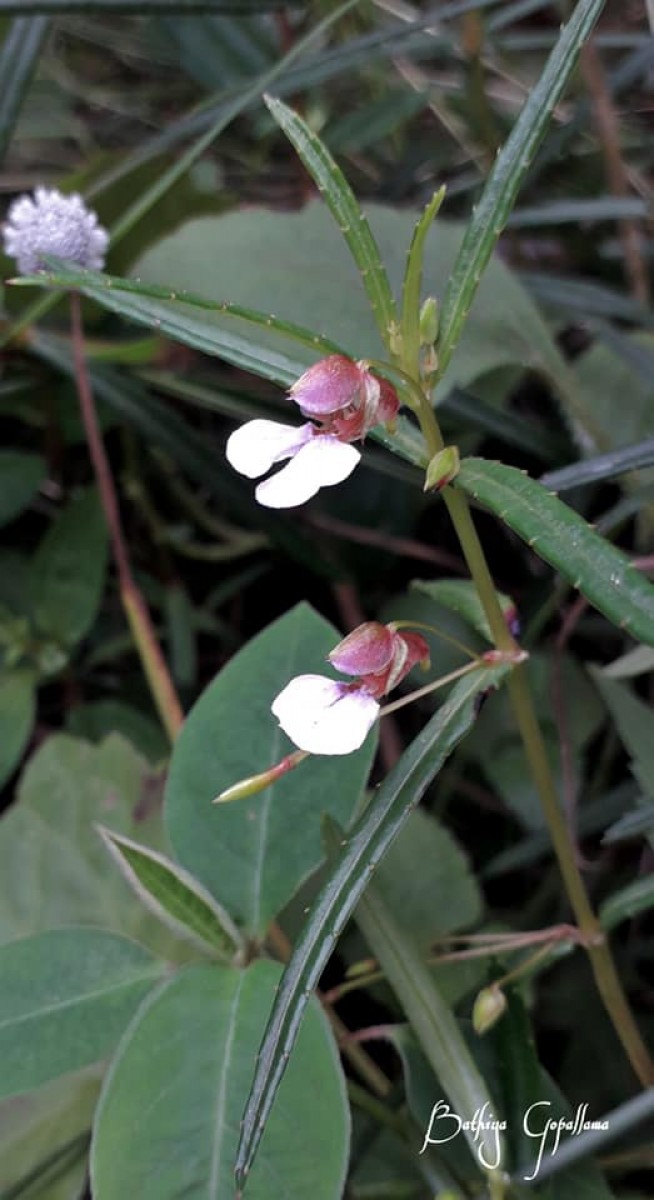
(560, 536)
(510, 167)
(344, 207)
(18, 60)
(365, 846)
(10, 8)
(602, 466)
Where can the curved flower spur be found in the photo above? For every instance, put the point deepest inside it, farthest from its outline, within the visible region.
(344, 400)
(328, 716)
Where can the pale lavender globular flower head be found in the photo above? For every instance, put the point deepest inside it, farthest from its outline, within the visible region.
(51, 223)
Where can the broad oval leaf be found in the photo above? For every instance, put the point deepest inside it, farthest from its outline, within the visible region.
(253, 854)
(66, 997)
(173, 895)
(20, 476)
(54, 869)
(346, 881)
(68, 570)
(560, 536)
(187, 1061)
(17, 712)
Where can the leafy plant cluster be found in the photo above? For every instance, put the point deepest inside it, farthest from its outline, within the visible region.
(269, 995)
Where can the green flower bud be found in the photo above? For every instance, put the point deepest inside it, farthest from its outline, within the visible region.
(488, 1008)
(429, 321)
(442, 469)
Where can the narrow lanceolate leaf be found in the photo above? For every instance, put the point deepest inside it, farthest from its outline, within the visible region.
(492, 212)
(601, 466)
(431, 1019)
(18, 59)
(174, 896)
(66, 997)
(636, 898)
(412, 287)
(366, 843)
(331, 182)
(176, 311)
(560, 536)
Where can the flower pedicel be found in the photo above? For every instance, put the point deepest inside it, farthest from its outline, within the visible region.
(344, 401)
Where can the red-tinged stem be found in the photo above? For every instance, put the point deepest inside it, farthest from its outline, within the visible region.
(136, 611)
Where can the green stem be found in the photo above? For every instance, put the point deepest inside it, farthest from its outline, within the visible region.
(606, 976)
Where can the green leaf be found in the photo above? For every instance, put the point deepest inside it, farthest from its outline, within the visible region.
(426, 881)
(20, 478)
(523, 1083)
(560, 536)
(267, 262)
(345, 209)
(68, 570)
(54, 869)
(637, 661)
(44, 1136)
(412, 287)
(601, 466)
(17, 713)
(366, 844)
(253, 854)
(97, 720)
(635, 898)
(431, 1020)
(19, 57)
(462, 597)
(633, 721)
(511, 164)
(66, 996)
(603, 376)
(186, 1061)
(174, 896)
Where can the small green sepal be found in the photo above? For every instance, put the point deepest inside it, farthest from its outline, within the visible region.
(443, 468)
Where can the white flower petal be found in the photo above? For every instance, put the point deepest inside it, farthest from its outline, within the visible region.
(256, 446)
(323, 716)
(320, 463)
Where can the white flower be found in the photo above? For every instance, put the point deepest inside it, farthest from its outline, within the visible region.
(323, 716)
(51, 223)
(345, 400)
(317, 460)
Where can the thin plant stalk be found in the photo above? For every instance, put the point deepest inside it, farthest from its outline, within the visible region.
(601, 959)
(136, 610)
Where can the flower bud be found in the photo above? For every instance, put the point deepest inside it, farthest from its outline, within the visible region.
(429, 321)
(442, 469)
(366, 651)
(488, 1008)
(329, 386)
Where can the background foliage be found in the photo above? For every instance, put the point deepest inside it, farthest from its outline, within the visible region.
(136, 947)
